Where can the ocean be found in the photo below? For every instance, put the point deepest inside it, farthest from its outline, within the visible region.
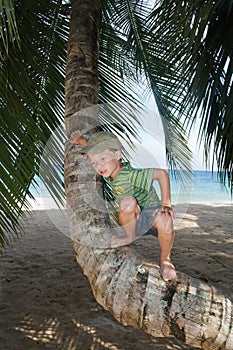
(204, 187)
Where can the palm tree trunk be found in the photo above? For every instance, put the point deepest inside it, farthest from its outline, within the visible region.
(121, 281)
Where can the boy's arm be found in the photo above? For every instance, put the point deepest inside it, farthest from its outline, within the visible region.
(77, 138)
(161, 175)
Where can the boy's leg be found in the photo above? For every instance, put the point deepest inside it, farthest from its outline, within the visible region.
(163, 222)
(128, 214)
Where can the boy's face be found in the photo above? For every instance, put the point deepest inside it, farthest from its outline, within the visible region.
(106, 163)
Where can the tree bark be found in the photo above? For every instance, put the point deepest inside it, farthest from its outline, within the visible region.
(122, 281)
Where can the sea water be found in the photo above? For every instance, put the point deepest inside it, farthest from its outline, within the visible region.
(202, 187)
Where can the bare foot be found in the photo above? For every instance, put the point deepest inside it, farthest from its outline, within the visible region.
(168, 270)
(119, 241)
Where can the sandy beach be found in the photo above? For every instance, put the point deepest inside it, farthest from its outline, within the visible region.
(46, 302)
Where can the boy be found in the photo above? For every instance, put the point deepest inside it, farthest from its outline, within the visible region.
(139, 210)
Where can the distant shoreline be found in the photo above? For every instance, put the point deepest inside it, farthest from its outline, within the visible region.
(205, 188)
(49, 204)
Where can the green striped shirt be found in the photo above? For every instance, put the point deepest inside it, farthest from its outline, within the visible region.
(134, 182)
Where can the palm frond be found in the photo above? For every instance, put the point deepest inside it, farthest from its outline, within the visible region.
(198, 41)
(8, 25)
(32, 98)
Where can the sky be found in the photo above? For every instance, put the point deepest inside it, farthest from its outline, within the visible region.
(150, 152)
(198, 150)
(153, 136)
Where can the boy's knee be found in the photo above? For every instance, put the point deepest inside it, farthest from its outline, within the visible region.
(162, 221)
(128, 204)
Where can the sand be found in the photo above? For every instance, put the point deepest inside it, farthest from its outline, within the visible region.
(46, 302)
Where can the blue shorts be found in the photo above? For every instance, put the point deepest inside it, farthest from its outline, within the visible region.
(144, 224)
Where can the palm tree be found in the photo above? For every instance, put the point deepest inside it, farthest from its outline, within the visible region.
(121, 281)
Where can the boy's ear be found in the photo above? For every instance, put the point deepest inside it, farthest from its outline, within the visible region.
(118, 154)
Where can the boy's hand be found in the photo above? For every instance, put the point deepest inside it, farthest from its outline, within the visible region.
(164, 209)
(77, 138)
